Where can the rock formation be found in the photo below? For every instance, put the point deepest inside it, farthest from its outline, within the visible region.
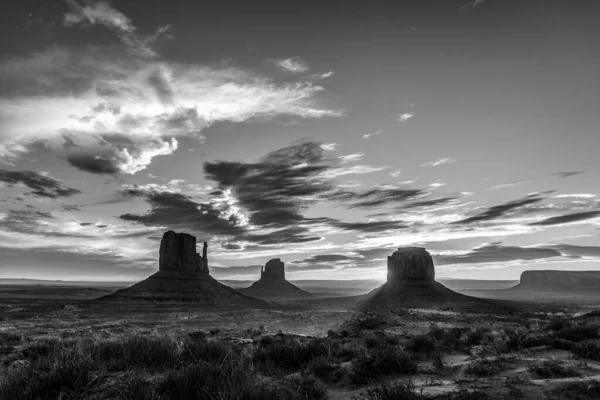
(273, 269)
(563, 281)
(183, 275)
(273, 285)
(410, 264)
(411, 284)
(178, 253)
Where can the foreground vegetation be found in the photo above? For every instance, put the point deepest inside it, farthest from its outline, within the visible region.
(201, 365)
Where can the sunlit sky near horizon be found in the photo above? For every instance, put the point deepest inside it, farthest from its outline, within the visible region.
(323, 133)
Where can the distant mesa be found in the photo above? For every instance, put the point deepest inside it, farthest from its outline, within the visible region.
(273, 285)
(411, 284)
(559, 281)
(183, 275)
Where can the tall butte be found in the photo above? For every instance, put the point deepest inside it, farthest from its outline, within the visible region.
(183, 275)
(272, 284)
(411, 284)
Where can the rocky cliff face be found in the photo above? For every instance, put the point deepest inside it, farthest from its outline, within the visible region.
(178, 254)
(410, 264)
(273, 269)
(563, 280)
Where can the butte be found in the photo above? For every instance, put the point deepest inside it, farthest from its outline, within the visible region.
(273, 285)
(183, 276)
(411, 284)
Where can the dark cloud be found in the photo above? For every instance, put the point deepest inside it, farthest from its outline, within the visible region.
(103, 163)
(282, 236)
(24, 221)
(568, 174)
(498, 253)
(429, 203)
(42, 186)
(565, 219)
(501, 210)
(179, 212)
(279, 187)
(71, 208)
(377, 197)
(372, 226)
(117, 153)
(161, 86)
(86, 223)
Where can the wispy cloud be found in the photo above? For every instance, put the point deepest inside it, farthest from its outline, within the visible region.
(437, 163)
(323, 75)
(351, 158)
(109, 110)
(436, 185)
(396, 173)
(367, 136)
(576, 196)
(329, 146)
(102, 13)
(405, 116)
(569, 218)
(293, 64)
(42, 186)
(568, 174)
(356, 169)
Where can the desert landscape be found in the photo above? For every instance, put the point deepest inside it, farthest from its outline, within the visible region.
(182, 335)
(299, 200)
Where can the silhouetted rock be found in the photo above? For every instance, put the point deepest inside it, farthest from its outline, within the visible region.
(273, 269)
(178, 253)
(565, 281)
(183, 275)
(272, 283)
(410, 264)
(411, 284)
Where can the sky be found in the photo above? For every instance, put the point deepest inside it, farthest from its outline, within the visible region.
(326, 134)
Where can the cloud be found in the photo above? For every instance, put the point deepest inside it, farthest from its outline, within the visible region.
(98, 13)
(565, 219)
(324, 258)
(277, 188)
(42, 186)
(436, 184)
(370, 226)
(576, 196)
(568, 174)
(323, 75)
(428, 203)
(437, 163)
(177, 211)
(355, 169)
(405, 117)
(500, 211)
(377, 197)
(329, 146)
(471, 4)
(351, 158)
(494, 253)
(72, 100)
(126, 159)
(367, 136)
(102, 13)
(294, 64)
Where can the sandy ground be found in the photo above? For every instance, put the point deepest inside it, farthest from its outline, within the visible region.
(36, 319)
